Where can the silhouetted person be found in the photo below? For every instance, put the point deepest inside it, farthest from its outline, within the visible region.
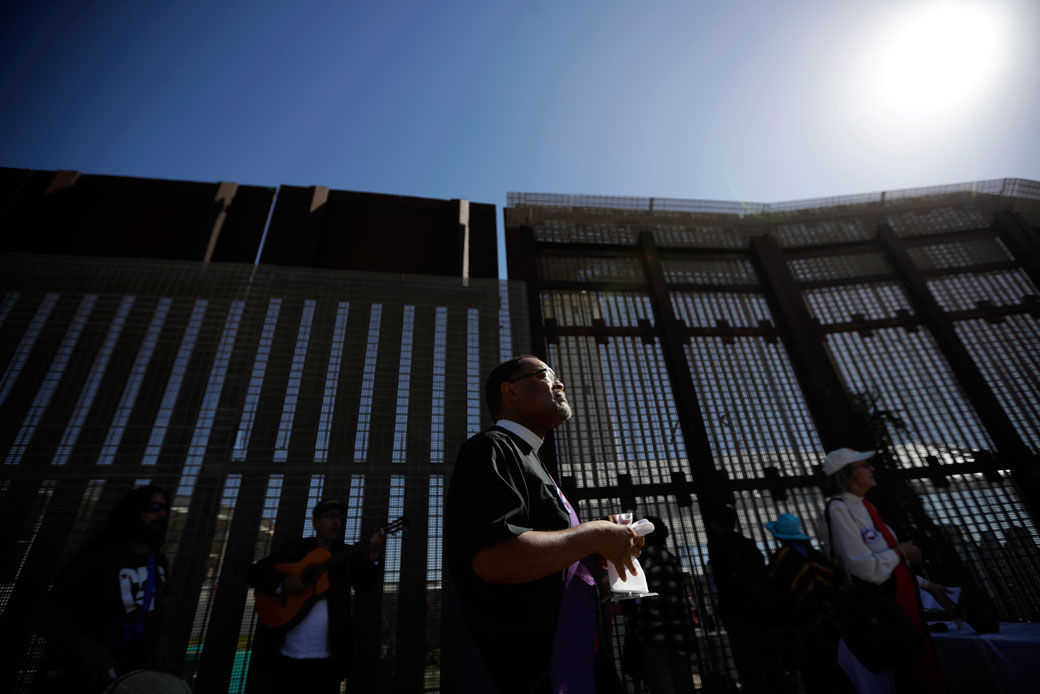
(664, 623)
(750, 608)
(811, 585)
(109, 608)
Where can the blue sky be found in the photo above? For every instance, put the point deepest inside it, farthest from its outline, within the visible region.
(760, 100)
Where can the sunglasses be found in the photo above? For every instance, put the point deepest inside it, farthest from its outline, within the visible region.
(155, 507)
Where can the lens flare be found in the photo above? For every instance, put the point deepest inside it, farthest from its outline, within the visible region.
(935, 59)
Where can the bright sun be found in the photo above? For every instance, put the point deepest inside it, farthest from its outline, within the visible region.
(933, 59)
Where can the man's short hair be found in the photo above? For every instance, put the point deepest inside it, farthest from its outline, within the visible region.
(329, 503)
(499, 375)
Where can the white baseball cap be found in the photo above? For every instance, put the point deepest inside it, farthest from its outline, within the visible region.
(841, 457)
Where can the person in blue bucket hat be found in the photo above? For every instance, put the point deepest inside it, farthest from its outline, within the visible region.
(787, 526)
(810, 584)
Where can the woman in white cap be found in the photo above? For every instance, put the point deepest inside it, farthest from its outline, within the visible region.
(870, 552)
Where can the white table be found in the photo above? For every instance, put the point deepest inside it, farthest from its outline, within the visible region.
(1007, 662)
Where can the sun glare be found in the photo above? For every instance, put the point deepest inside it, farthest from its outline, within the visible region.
(936, 58)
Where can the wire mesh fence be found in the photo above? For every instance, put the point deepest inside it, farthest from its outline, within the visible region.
(249, 392)
(754, 399)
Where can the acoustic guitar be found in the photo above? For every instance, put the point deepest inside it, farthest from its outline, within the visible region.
(285, 611)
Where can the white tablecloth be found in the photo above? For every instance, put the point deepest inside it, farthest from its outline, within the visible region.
(865, 681)
(1004, 663)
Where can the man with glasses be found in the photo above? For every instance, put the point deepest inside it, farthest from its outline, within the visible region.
(109, 609)
(312, 652)
(523, 566)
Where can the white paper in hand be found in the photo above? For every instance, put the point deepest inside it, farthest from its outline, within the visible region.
(635, 586)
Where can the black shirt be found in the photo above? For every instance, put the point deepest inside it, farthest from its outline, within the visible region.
(739, 571)
(102, 592)
(499, 490)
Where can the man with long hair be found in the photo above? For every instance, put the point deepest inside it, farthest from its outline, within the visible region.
(108, 610)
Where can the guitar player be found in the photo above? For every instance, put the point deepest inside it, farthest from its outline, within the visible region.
(312, 653)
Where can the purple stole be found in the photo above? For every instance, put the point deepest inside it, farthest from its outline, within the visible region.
(572, 664)
(571, 669)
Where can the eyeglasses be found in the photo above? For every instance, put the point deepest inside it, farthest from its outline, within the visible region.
(550, 375)
(155, 507)
(329, 515)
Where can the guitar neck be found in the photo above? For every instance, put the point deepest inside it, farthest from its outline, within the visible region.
(349, 550)
(339, 557)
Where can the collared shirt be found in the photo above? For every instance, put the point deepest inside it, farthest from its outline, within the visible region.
(499, 490)
(536, 444)
(523, 432)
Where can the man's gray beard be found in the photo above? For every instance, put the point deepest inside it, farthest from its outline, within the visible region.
(564, 408)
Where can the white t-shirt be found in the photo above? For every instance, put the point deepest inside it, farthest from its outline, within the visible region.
(309, 638)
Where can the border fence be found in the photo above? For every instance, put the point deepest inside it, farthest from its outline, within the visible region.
(714, 351)
(709, 349)
(250, 392)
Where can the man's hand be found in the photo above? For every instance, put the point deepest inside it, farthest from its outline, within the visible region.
(375, 543)
(619, 544)
(910, 551)
(292, 585)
